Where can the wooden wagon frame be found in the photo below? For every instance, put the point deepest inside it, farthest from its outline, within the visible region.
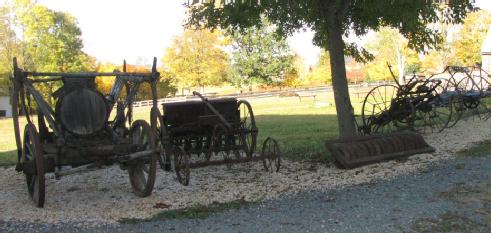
(77, 135)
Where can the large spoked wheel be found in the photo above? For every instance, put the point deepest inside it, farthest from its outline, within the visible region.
(34, 165)
(181, 165)
(271, 155)
(156, 122)
(434, 112)
(248, 135)
(383, 112)
(142, 171)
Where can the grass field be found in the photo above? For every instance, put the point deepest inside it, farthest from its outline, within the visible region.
(301, 127)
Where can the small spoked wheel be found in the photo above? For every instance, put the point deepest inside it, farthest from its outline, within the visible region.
(271, 155)
(181, 165)
(142, 170)
(248, 135)
(32, 157)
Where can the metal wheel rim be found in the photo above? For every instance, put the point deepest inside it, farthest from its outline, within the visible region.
(271, 155)
(373, 108)
(248, 136)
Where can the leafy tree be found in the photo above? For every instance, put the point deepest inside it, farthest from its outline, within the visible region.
(297, 74)
(331, 20)
(49, 41)
(466, 49)
(9, 46)
(165, 86)
(321, 72)
(197, 59)
(390, 47)
(260, 55)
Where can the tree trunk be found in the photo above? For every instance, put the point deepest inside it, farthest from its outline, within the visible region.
(344, 110)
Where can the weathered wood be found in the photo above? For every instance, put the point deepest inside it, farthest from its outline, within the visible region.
(91, 74)
(82, 111)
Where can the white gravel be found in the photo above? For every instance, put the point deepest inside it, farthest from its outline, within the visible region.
(105, 196)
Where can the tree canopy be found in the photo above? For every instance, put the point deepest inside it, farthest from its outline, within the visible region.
(330, 20)
(466, 49)
(390, 48)
(259, 55)
(197, 59)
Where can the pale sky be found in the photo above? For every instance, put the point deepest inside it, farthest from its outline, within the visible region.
(113, 30)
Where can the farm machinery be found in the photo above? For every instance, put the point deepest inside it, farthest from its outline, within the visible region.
(426, 104)
(77, 135)
(394, 115)
(205, 132)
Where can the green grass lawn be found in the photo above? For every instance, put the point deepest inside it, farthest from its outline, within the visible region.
(301, 128)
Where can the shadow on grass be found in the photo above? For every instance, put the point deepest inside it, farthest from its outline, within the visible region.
(194, 212)
(301, 137)
(480, 149)
(8, 158)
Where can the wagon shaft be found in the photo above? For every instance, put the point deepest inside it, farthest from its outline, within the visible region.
(361, 150)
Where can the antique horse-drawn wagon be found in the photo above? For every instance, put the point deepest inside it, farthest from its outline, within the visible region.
(220, 131)
(77, 135)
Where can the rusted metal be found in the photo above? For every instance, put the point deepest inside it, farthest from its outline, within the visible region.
(78, 132)
(362, 150)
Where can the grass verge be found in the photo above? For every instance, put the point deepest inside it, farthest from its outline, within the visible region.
(194, 212)
(480, 149)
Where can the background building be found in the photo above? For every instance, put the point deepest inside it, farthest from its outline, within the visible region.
(486, 53)
(5, 106)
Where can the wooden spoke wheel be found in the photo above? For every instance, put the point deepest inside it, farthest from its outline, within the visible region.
(248, 135)
(32, 157)
(181, 165)
(156, 122)
(142, 170)
(271, 155)
(216, 141)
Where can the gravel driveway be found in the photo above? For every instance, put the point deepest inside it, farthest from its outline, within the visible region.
(450, 196)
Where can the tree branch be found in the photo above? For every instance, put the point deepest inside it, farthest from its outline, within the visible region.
(343, 9)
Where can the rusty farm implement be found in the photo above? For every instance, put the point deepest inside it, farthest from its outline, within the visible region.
(204, 132)
(77, 135)
(393, 115)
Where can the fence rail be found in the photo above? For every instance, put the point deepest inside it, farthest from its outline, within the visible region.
(251, 95)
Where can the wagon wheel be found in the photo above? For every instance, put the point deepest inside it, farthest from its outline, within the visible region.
(15, 113)
(34, 173)
(181, 165)
(435, 111)
(383, 111)
(156, 122)
(142, 171)
(215, 141)
(248, 135)
(271, 155)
